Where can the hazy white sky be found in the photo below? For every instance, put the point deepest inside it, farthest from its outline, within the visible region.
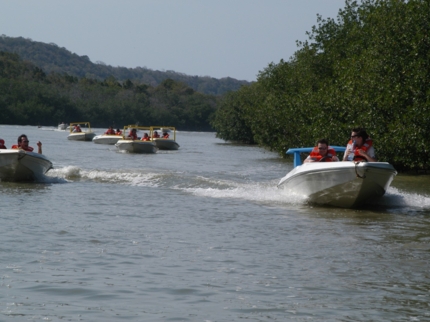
(217, 38)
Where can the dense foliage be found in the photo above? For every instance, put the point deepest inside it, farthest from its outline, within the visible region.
(53, 59)
(29, 96)
(368, 68)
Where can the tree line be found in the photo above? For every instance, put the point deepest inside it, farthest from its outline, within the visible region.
(30, 96)
(54, 59)
(369, 67)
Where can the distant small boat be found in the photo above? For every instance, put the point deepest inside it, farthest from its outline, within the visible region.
(78, 133)
(107, 139)
(136, 146)
(165, 143)
(20, 165)
(341, 184)
(62, 127)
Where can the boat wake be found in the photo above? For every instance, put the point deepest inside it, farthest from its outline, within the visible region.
(265, 193)
(268, 193)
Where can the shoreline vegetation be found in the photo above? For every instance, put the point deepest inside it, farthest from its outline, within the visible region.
(369, 67)
(30, 96)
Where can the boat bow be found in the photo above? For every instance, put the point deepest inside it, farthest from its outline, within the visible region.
(341, 184)
(20, 165)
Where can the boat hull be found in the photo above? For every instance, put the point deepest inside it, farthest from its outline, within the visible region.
(136, 146)
(107, 139)
(20, 165)
(340, 184)
(81, 136)
(166, 144)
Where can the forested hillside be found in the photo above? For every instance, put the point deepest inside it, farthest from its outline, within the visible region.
(51, 58)
(369, 67)
(30, 96)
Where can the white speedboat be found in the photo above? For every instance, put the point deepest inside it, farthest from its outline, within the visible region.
(136, 145)
(20, 165)
(81, 131)
(165, 143)
(341, 184)
(62, 127)
(107, 139)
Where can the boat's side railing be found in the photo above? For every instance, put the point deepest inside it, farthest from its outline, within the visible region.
(296, 152)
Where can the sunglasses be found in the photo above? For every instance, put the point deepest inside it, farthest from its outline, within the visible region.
(25, 141)
(354, 136)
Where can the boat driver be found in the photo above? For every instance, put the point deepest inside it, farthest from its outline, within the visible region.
(322, 153)
(23, 144)
(132, 135)
(110, 131)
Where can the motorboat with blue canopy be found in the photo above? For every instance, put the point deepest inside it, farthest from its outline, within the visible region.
(347, 184)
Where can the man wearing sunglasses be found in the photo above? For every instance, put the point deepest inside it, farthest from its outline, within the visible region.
(23, 144)
(322, 153)
(360, 147)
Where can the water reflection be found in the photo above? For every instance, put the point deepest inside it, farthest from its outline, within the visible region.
(23, 188)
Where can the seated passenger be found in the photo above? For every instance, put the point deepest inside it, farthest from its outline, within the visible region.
(2, 146)
(110, 131)
(23, 144)
(360, 147)
(156, 135)
(165, 135)
(146, 137)
(77, 128)
(322, 153)
(132, 135)
(118, 132)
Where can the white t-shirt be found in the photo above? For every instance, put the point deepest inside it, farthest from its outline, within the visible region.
(370, 152)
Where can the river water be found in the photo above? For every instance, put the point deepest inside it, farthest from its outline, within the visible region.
(202, 234)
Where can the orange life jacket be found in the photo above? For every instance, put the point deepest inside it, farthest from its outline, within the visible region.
(316, 156)
(146, 138)
(132, 136)
(166, 136)
(109, 131)
(29, 149)
(366, 146)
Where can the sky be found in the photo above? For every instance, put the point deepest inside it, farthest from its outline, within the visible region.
(216, 38)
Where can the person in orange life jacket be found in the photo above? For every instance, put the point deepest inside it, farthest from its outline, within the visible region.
(146, 137)
(23, 144)
(359, 147)
(156, 135)
(132, 135)
(2, 146)
(322, 153)
(165, 135)
(77, 128)
(118, 132)
(110, 131)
